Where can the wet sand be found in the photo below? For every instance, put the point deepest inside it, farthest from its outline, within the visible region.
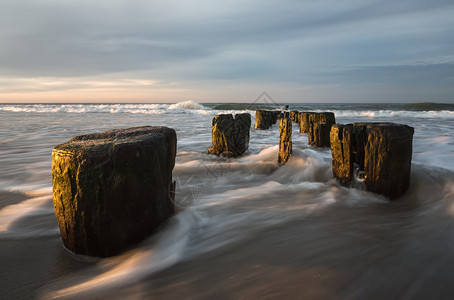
(314, 259)
(29, 264)
(7, 198)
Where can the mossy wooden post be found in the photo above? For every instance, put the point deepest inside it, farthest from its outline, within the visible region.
(285, 139)
(320, 127)
(113, 188)
(263, 119)
(319, 135)
(294, 115)
(304, 121)
(219, 140)
(387, 158)
(381, 152)
(297, 119)
(230, 136)
(323, 117)
(342, 154)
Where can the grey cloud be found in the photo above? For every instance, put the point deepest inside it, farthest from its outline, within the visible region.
(401, 75)
(404, 83)
(256, 41)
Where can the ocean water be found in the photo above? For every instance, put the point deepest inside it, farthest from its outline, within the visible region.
(244, 227)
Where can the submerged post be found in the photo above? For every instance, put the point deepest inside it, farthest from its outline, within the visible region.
(285, 139)
(113, 188)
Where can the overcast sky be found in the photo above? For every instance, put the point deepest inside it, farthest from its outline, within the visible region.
(210, 51)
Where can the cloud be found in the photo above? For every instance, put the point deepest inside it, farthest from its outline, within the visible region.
(275, 43)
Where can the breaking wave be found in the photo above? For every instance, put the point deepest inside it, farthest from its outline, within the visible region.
(147, 109)
(187, 105)
(394, 113)
(425, 110)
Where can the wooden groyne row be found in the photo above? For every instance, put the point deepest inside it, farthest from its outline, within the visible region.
(114, 188)
(372, 156)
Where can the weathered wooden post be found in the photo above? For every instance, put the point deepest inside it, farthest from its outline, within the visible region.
(285, 139)
(263, 119)
(320, 127)
(387, 158)
(113, 188)
(319, 135)
(230, 135)
(294, 114)
(342, 153)
(323, 117)
(380, 151)
(304, 121)
(274, 116)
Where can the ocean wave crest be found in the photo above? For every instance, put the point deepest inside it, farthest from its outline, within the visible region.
(187, 105)
(191, 107)
(146, 109)
(394, 113)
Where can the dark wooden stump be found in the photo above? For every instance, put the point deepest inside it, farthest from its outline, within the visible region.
(263, 119)
(319, 134)
(294, 116)
(387, 158)
(342, 153)
(320, 127)
(380, 152)
(323, 117)
(230, 135)
(274, 116)
(114, 188)
(304, 122)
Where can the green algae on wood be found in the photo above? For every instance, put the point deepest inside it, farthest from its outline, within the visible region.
(230, 136)
(381, 152)
(319, 128)
(263, 119)
(113, 188)
(285, 139)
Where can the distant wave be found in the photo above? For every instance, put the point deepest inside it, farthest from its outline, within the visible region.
(394, 113)
(187, 105)
(245, 106)
(150, 109)
(82, 108)
(419, 110)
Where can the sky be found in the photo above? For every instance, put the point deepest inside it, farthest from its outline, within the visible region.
(226, 51)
